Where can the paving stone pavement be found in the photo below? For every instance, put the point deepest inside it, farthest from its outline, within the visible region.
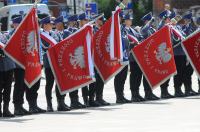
(173, 115)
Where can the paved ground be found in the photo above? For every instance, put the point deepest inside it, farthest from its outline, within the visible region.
(173, 115)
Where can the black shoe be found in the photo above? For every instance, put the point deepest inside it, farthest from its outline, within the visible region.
(102, 102)
(40, 110)
(191, 93)
(50, 108)
(86, 101)
(18, 111)
(122, 100)
(7, 113)
(77, 105)
(63, 107)
(137, 98)
(166, 96)
(179, 94)
(33, 110)
(93, 103)
(25, 111)
(0, 111)
(151, 97)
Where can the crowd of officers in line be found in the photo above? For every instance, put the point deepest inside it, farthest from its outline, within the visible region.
(93, 94)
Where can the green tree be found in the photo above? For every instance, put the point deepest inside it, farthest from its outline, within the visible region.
(106, 6)
(140, 8)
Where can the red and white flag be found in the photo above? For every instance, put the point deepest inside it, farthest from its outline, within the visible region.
(71, 61)
(156, 58)
(23, 48)
(191, 46)
(105, 65)
(116, 50)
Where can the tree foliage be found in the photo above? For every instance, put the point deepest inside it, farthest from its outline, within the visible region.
(140, 8)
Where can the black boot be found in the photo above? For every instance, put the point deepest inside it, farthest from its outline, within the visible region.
(6, 112)
(102, 102)
(165, 94)
(75, 104)
(62, 106)
(137, 98)
(86, 101)
(34, 109)
(150, 96)
(93, 103)
(179, 93)
(189, 91)
(20, 111)
(0, 111)
(122, 100)
(49, 106)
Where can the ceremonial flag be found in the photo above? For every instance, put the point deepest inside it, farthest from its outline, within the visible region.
(116, 50)
(105, 65)
(23, 48)
(155, 57)
(191, 46)
(71, 61)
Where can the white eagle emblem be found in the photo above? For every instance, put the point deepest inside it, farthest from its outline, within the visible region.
(32, 43)
(108, 44)
(162, 53)
(77, 60)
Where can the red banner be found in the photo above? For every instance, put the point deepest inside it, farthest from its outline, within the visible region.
(23, 48)
(106, 66)
(116, 50)
(70, 61)
(191, 46)
(155, 57)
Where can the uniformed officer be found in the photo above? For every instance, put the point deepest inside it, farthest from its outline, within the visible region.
(96, 88)
(19, 88)
(188, 28)
(84, 19)
(6, 76)
(72, 27)
(61, 33)
(136, 73)
(147, 30)
(47, 29)
(178, 52)
(120, 78)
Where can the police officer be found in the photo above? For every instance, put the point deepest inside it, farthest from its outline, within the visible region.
(6, 76)
(120, 78)
(19, 88)
(188, 28)
(136, 73)
(96, 88)
(84, 19)
(46, 23)
(147, 30)
(72, 27)
(165, 20)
